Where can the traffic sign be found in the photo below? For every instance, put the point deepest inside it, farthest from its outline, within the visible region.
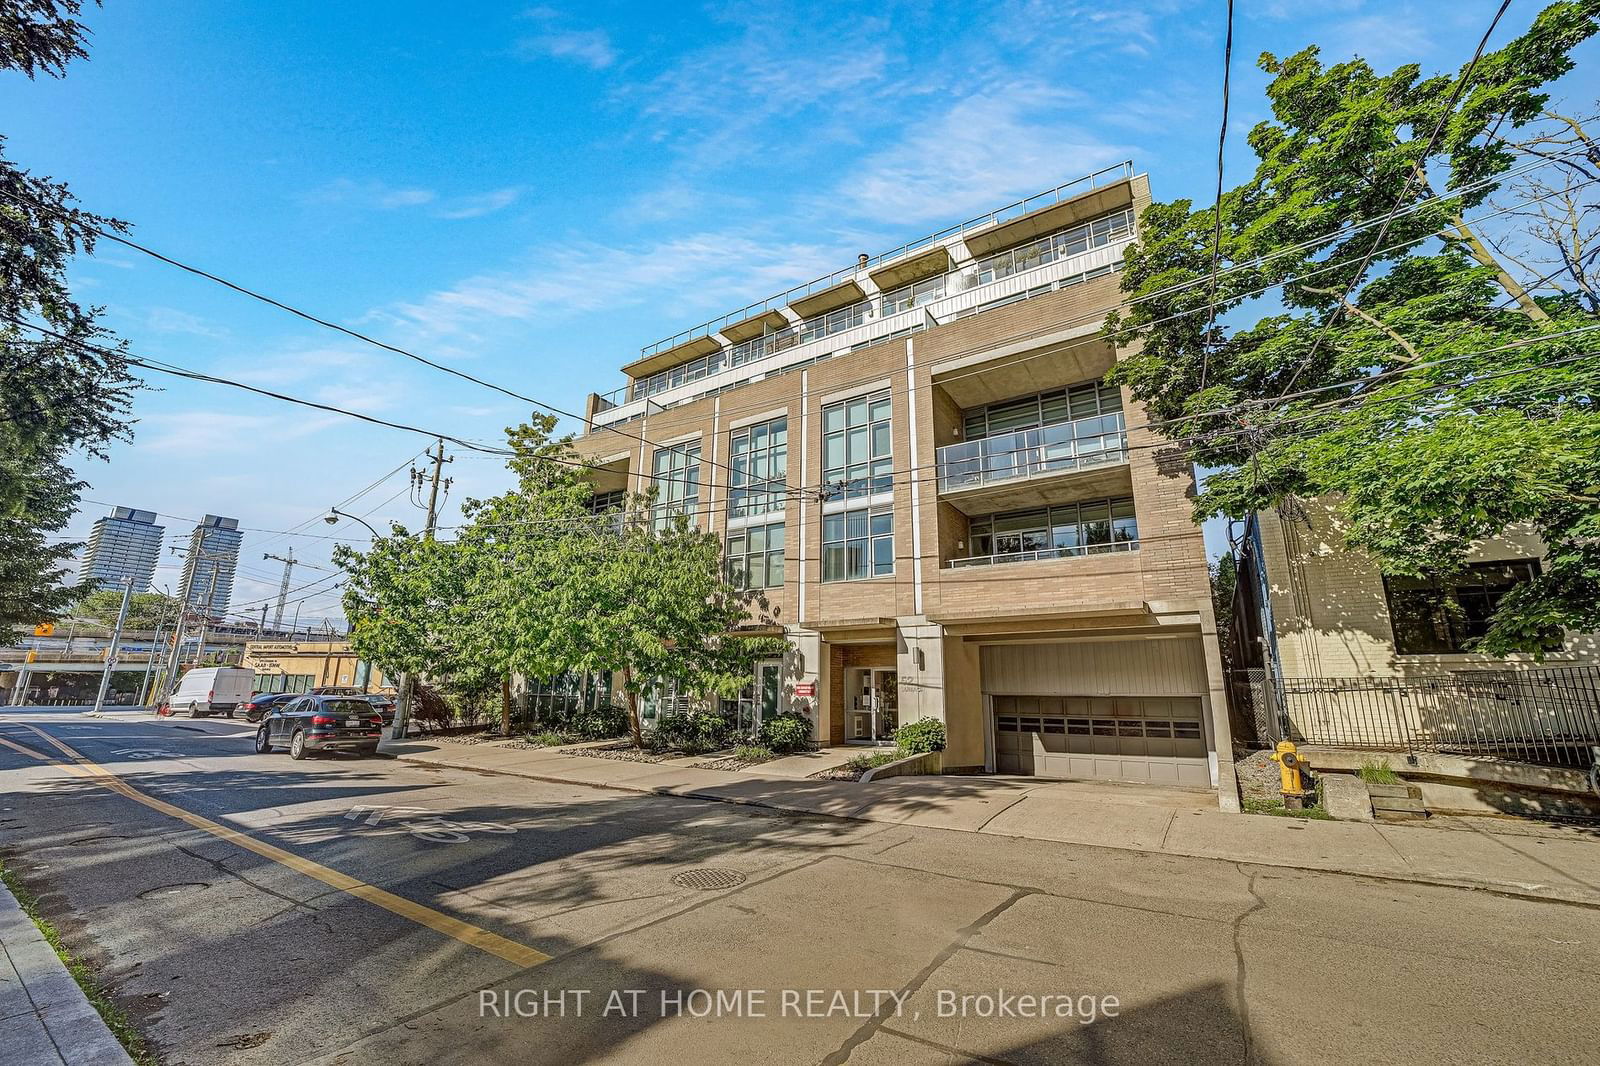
(45, 629)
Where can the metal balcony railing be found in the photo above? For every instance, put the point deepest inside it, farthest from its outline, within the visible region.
(1028, 453)
(1036, 555)
(1110, 175)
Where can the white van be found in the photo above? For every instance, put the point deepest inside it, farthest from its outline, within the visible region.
(211, 688)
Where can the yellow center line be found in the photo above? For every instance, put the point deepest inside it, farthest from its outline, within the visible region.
(467, 933)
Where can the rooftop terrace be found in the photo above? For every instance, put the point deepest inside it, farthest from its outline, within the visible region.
(1039, 244)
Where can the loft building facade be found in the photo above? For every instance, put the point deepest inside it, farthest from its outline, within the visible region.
(917, 462)
(210, 563)
(123, 546)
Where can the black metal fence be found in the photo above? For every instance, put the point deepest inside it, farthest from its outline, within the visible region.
(1546, 716)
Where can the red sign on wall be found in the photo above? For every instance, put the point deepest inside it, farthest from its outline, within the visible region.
(805, 688)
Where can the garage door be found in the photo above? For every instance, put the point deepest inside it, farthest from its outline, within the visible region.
(1076, 710)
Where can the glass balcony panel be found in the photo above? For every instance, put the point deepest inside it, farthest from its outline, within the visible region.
(1032, 452)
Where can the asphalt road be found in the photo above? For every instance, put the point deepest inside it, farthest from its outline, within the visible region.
(250, 909)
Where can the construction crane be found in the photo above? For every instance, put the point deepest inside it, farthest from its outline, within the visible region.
(288, 562)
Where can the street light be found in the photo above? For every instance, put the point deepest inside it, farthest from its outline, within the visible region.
(334, 514)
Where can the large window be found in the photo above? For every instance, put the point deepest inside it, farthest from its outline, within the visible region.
(677, 482)
(759, 461)
(755, 556)
(858, 544)
(1056, 532)
(1434, 616)
(1087, 400)
(856, 449)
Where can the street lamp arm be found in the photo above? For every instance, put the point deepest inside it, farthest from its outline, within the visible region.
(334, 514)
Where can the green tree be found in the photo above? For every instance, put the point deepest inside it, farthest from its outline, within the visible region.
(1475, 408)
(57, 398)
(399, 598)
(146, 610)
(654, 607)
(511, 619)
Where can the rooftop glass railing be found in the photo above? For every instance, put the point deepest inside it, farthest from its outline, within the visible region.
(1028, 453)
(1077, 187)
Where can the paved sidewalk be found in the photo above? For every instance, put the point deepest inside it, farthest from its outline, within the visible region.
(1506, 856)
(44, 1017)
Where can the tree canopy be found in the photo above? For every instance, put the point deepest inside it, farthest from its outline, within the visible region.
(536, 584)
(1428, 383)
(57, 398)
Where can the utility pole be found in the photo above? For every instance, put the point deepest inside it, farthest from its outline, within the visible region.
(170, 682)
(288, 562)
(402, 710)
(205, 615)
(116, 641)
(261, 626)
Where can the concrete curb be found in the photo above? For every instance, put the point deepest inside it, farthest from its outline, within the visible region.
(1512, 889)
(47, 1017)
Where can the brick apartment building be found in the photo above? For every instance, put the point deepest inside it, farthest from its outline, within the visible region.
(950, 515)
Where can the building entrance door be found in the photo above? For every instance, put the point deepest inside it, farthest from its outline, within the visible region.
(872, 713)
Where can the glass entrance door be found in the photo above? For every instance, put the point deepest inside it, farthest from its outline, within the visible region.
(872, 711)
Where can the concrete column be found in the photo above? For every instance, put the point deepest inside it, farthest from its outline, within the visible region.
(919, 664)
(807, 663)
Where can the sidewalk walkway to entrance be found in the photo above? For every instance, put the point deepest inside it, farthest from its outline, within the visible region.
(1500, 855)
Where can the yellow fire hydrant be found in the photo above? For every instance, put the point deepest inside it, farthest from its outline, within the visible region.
(1290, 762)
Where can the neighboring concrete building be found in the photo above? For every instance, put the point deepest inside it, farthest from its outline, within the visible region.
(1327, 649)
(1314, 608)
(213, 549)
(123, 545)
(299, 666)
(999, 547)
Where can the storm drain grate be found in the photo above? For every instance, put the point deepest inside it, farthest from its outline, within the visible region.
(707, 878)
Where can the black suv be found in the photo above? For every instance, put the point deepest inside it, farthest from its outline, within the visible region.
(321, 723)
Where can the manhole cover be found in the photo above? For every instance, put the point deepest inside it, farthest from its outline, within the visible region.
(707, 878)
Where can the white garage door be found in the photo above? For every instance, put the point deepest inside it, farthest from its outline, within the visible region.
(1121, 710)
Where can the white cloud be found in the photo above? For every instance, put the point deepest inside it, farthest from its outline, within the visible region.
(985, 149)
(481, 204)
(215, 432)
(778, 68)
(171, 320)
(698, 272)
(377, 196)
(371, 195)
(589, 48)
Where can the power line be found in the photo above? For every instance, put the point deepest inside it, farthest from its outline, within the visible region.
(1405, 192)
(1099, 314)
(1216, 237)
(336, 327)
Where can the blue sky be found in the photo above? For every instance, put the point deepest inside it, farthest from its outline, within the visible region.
(534, 193)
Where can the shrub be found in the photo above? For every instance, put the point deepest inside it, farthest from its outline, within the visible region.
(786, 732)
(752, 753)
(694, 733)
(428, 707)
(603, 722)
(922, 736)
(860, 764)
(548, 738)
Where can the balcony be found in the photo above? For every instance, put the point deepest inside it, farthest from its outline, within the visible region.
(1047, 451)
(1042, 554)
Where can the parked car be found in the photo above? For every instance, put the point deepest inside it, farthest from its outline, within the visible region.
(262, 702)
(311, 723)
(384, 704)
(205, 689)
